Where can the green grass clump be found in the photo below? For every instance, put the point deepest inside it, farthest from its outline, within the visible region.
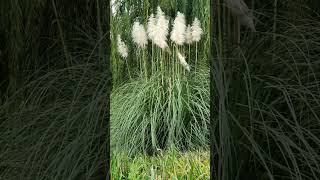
(167, 165)
(160, 98)
(146, 116)
(57, 128)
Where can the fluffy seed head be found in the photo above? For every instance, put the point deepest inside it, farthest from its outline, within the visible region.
(161, 30)
(183, 62)
(152, 27)
(139, 35)
(196, 30)
(179, 29)
(188, 35)
(122, 48)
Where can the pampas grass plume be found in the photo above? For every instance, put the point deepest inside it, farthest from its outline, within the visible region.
(179, 29)
(152, 27)
(189, 35)
(139, 35)
(196, 30)
(161, 30)
(122, 48)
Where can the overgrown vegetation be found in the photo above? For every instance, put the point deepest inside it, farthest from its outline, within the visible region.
(54, 87)
(266, 93)
(168, 165)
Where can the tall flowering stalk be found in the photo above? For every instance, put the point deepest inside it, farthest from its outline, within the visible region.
(196, 32)
(161, 29)
(170, 65)
(151, 30)
(123, 51)
(139, 36)
(160, 36)
(178, 31)
(189, 37)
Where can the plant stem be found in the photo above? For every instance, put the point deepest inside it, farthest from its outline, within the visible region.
(173, 62)
(157, 62)
(161, 65)
(274, 25)
(152, 59)
(145, 64)
(189, 53)
(66, 53)
(195, 68)
(176, 61)
(238, 32)
(128, 69)
(140, 62)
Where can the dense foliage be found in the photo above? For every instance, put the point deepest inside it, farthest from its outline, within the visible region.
(54, 84)
(266, 92)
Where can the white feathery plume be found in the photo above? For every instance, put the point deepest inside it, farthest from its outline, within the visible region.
(196, 30)
(183, 62)
(122, 48)
(139, 35)
(161, 31)
(189, 35)
(151, 29)
(179, 29)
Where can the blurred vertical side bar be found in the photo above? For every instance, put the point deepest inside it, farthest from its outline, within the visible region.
(103, 26)
(212, 98)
